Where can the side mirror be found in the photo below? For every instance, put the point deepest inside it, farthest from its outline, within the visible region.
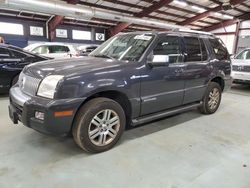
(232, 56)
(158, 60)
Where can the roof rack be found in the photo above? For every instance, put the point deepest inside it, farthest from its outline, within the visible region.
(193, 31)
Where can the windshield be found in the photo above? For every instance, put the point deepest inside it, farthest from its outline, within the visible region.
(124, 47)
(244, 55)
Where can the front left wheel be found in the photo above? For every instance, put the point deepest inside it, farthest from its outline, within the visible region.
(99, 125)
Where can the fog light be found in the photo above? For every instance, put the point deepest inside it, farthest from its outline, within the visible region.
(39, 115)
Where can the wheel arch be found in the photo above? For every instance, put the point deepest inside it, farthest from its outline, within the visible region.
(220, 81)
(118, 96)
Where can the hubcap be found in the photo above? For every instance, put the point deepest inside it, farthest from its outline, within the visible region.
(104, 127)
(214, 98)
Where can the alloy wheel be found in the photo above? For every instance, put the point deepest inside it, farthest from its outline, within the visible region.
(214, 98)
(104, 127)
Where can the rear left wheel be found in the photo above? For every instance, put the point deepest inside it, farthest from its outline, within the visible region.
(99, 125)
(212, 99)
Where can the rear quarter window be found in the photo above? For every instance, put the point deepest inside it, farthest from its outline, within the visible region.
(219, 49)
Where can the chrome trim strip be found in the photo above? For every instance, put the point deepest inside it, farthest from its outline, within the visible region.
(195, 87)
(145, 98)
(155, 96)
(18, 97)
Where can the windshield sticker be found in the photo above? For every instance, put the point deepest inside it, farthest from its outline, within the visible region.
(142, 37)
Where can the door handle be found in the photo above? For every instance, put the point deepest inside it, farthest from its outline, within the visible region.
(214, 61)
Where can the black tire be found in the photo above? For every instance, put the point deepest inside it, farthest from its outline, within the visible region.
(83, 124)
(14, 80)
(206, 107)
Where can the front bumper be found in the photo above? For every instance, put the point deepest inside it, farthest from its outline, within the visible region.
(240, 77)
(23, 107)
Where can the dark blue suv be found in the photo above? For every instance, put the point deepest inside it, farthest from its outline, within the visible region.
(131, 79)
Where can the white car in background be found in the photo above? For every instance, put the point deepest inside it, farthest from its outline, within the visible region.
(52, 50)
(241, 67)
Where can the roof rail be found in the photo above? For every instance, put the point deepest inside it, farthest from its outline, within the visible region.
(193, 31)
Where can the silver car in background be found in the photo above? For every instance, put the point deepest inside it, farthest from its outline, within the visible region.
(241, 67)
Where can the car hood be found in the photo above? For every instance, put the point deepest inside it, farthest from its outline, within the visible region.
(70, 66)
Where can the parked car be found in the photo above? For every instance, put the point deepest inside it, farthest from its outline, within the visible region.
(12, 61)
(86, 50)
(130, 79)
(53, 50)
(241, 67)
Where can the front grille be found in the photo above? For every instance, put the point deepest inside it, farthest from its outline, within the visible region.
(241, 68)
(28, 84)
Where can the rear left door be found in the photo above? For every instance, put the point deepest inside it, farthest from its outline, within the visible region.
(197, 69)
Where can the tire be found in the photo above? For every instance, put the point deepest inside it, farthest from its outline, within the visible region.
(92, 131)
(211, 105)
(14, 80)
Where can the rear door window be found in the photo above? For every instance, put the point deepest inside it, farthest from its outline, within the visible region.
(219, 49)
(193, 49)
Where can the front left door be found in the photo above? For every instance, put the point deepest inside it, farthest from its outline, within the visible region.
(163, 87)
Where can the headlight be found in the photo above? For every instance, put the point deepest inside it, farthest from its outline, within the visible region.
(48, 86)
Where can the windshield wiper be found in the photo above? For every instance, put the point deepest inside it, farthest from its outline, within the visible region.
(104, 56)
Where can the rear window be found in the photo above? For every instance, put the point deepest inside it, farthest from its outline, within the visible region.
(219, 49)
